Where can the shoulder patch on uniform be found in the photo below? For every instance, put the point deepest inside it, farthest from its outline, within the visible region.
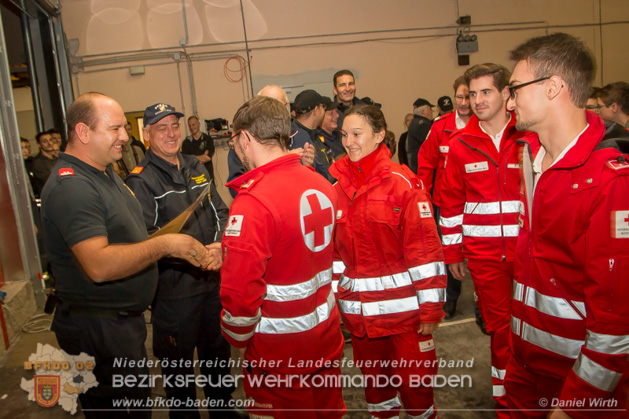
(247, 185)
(234, 225)
(620, 224)
(424, 209)
(137, 170)
(66, 171)
(618, 164)
(437, 118)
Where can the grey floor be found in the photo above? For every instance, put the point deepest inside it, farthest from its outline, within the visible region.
(457, 339)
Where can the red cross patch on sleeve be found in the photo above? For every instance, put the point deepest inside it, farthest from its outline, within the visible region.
(424, 210)
(620, 224)
(234, 225)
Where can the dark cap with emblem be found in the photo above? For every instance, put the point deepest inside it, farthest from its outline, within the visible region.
(422, 102)
(307, 101)
(445, 103)
(154, 113)
(329, 105)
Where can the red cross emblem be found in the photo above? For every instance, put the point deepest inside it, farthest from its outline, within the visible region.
(319, 220)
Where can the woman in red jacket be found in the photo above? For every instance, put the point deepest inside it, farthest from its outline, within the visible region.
(393, 286)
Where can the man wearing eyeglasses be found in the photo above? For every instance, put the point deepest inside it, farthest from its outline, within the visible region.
(613, 103)
(479, 208)
(279, 308)
(570, 324)
(431, 166)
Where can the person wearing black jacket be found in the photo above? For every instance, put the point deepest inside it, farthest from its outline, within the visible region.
(418, 130)
(186, 309)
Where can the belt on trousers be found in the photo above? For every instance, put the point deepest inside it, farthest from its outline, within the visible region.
(98, 312)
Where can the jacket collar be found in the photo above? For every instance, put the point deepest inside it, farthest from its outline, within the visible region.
(376, 166)
(248, 179)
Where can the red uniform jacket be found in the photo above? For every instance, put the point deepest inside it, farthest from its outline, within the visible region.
(431, 160)
(571, 293)
(386, 236)
(480, 198)
(277, 268)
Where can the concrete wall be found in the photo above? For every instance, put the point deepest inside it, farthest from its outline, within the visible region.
(399, 49)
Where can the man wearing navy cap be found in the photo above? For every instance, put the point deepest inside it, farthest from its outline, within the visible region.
(186, 310)
(329, 133)
(418, 130)
(444, 105)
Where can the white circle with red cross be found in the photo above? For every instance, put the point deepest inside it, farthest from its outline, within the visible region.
(316, 215)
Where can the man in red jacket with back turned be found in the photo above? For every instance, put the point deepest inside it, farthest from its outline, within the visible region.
(279, 309)
(570, 325)
(479, 208)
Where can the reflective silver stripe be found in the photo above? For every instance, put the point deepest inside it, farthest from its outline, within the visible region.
(298, 291)
(490, 231)
(482, 208)
(499, 391)
(450, 239)
(433, 295)
(515, 325)
(553, 306)
(510, 207)
(428, 413)
(349, 307)
(570, 348)
(240, 321)
(488, 208)
(390, 306)
(451, 222)
(335, 286)
(338, 267)
(297, 324)
(596, 374)
(427, 271)
(511, 230)
(499, 374)
(237, 336)
(386, 405)
(379, 283)
(607, 344)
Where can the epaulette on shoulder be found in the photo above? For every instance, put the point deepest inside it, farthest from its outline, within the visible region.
(619, 164)
(137, 170)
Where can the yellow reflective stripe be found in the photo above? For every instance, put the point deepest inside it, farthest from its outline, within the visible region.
(451, 222)
(428, 270)
(432, 295)
(385, 405)
(607, 344)
(570, 348)
(595, 374)
(450, 239)
(553, 306)
(240, 321)
(298, 291)
(297, 324)
(399, 305)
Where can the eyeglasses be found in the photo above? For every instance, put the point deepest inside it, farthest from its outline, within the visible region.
(594, 108)
(513, 89)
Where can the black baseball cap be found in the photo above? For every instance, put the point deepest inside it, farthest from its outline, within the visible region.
(307, 101)
(445, 103)
(329, 105)
(155, 112)
(422, 102)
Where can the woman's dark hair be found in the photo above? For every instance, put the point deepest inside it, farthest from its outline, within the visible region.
(372, 114)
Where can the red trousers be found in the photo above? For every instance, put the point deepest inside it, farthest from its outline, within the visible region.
(493, 285)
(416, 358)
(314, 396)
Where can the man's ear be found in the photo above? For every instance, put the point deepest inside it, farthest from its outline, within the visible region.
(554, 87)
(82, 132)
(613, 107)
(505, 93)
